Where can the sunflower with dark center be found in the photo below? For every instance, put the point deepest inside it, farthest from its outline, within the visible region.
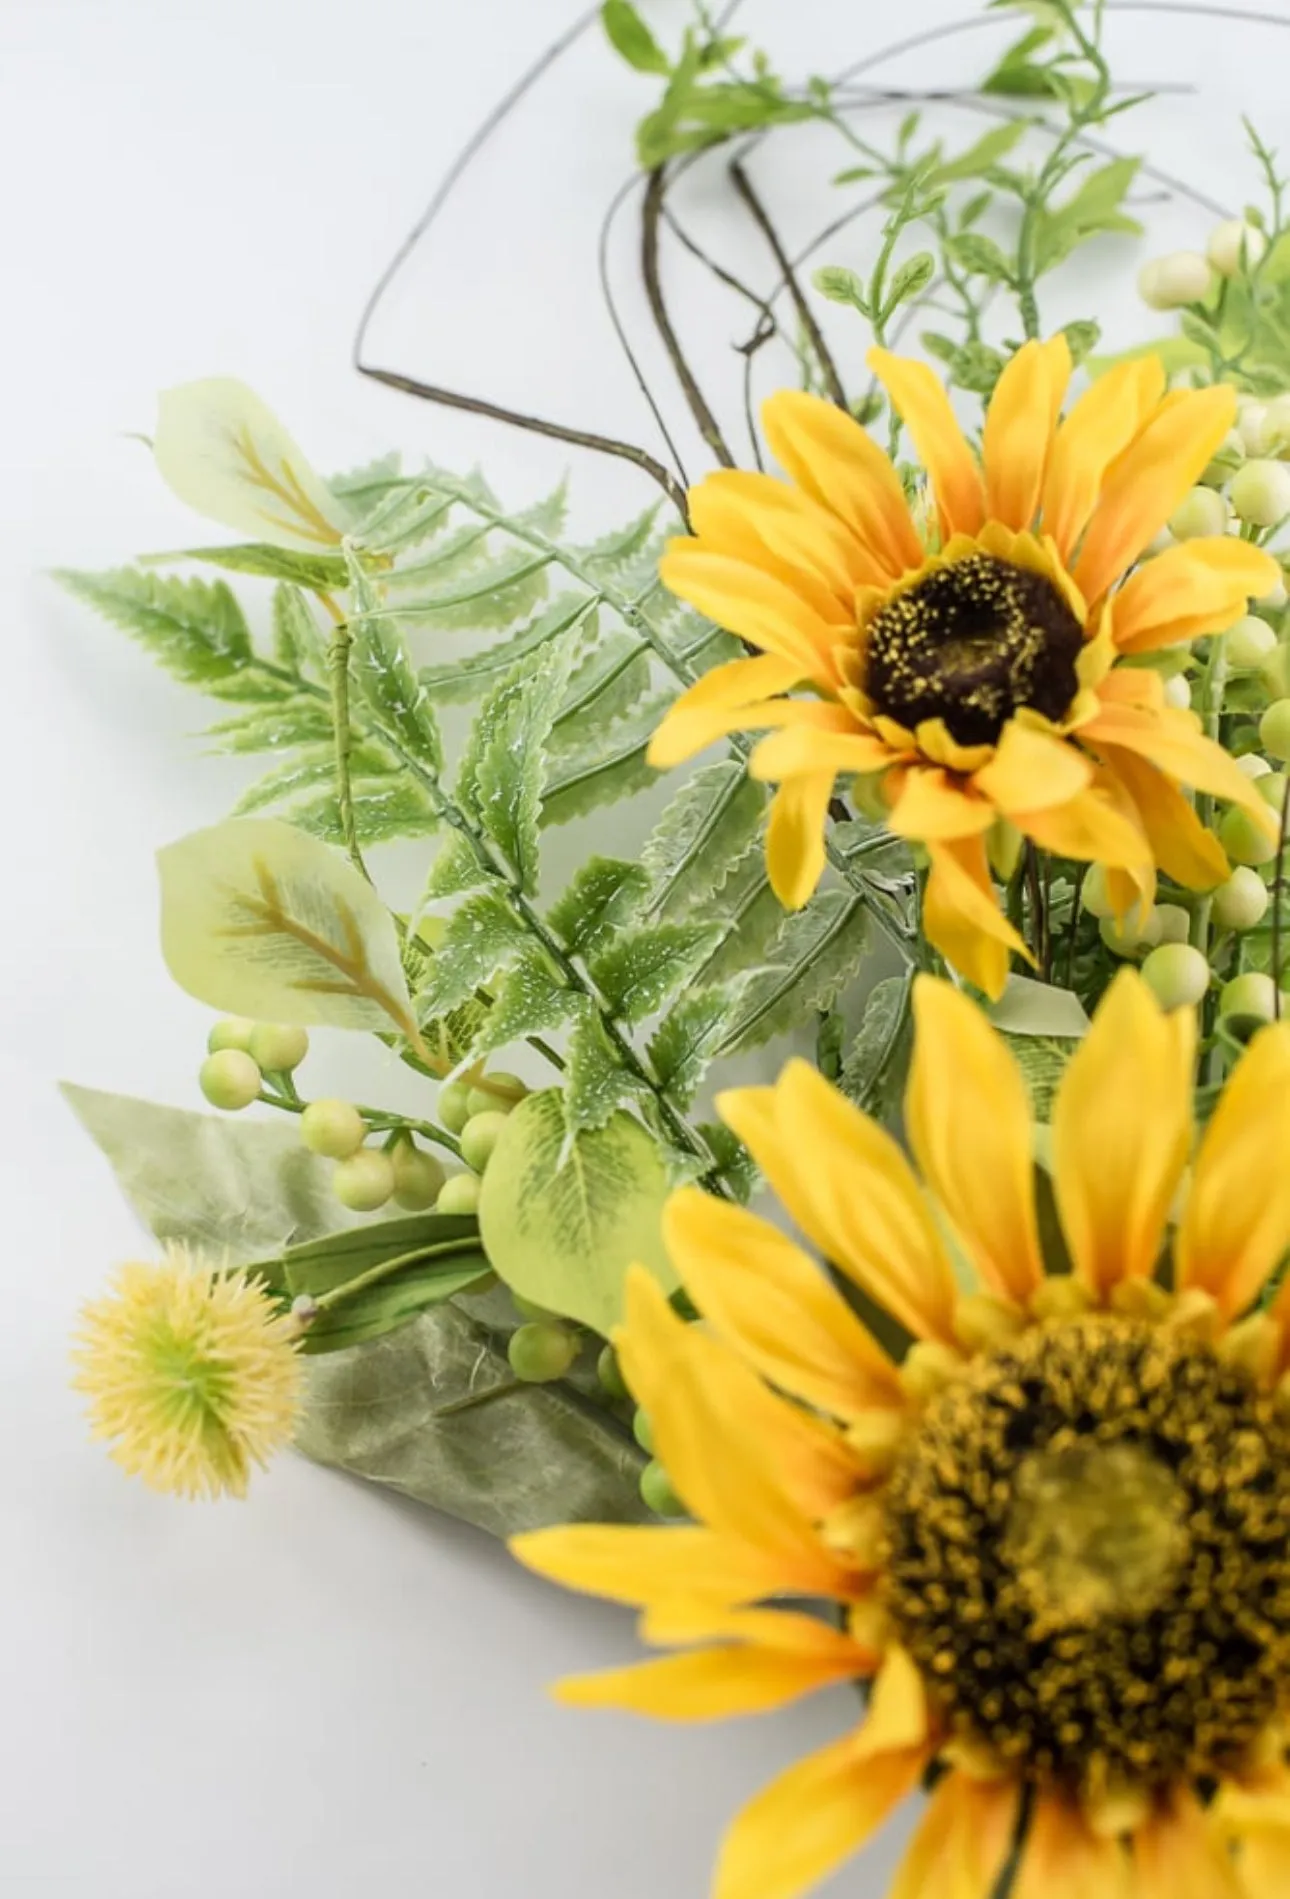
(972, 669)
(1054, 1531)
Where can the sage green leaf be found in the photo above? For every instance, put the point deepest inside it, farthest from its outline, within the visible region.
(752, 917)
(1027, 1007)
(531, 999)
(1043, 1061)
(496, 594)
(688, 1037)
(877, 1063)
(384, 809)
(644, 969)
(1094, 207)
(194, 628)
(410, 1411)
(483, 936)
(818, 949)
(375, 1277)
(260, 920)
(297, 643)
(503, 769)
(466, 678)
(385, 675)
(605, 769)
(318, 572)
(275, 728)
(700, 836)
(979, 158)
(628, 34)
(220, 1183)
(563, 1214)
(458, 867)
(601, 900)
(608, 684)
(980, 256)
(596, 1079)
(737, 1166)
(313, 765)
(618, 555)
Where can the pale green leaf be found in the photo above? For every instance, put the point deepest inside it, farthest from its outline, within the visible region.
(1027, 1007)
(483, 936)
(386, 677)
(644, 969)
(458, 867)
(818, 949)
(608, 684)
(629, 36)
(384, 809)
(563, 1216)
(1043, 1061)
(688, 1037)
(531, 999)
(700, 836)
(194, 628)
(313, 766)
(297, 643)
(468, 677)
(876, 1064)
(319, 572)
(737, 1166)
(603, 770)
(978, 159)
(503, 769)
(498, 594)
(601, 900)
(596, 1079)
(275, 728)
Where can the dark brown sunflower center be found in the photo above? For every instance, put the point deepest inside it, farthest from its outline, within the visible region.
(970, 644)
(1089, 1556)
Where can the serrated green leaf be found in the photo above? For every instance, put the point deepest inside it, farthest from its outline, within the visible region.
(503, 769)
(473, 674)
(980, 256)
(912, 276)
(701, 835)
(817, 949)
(1043, 1061)
(297, 643)
(313, 766)
(564, 1215)
(458, 867)
(751, 918)
(531, 999)
(615, 555)
(385, 675)
(977, 368)
(497, 594)
(608, 684)
(318, 572)
(876, 1064)
(193, 628)
(1082, 338)
(275, 728)
(604, 770)
(977, 160)
(644, 969)
(840, 285)
(596, 1079)
(629, 36)
(602, 898)
(483, 936)
(687, 1039)
(383, 810)
(737, 1166)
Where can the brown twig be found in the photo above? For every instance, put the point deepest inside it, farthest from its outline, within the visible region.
(651, 217)
(828, 368)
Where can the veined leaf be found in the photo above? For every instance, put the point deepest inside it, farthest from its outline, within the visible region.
(497, 594)
(466, 678)
(297, 643)
(877, 1063)
(602, 898)
(688, 1037)
(643, 970)
(374, 478)
(275, 728)
(318, 572)
(562, 1219)
(629, 35)
(706, 828)
(738, 1168)
(608, 684)
(483, 936)
(977, 160)
(194, 628)
(531, 998)
(751, 919)
(604, 769)
(616, 555)
(818, 948)
(384, 809)
(458, 867)
(503, 769)
(385, 675)
(260, 920)
(312, 766)
(410, 1264)
(596, 1079)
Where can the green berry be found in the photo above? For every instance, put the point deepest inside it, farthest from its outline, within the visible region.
(365, 1181)
(657, 1492)
(542, 1351)
(1202, 512)
(1274, 730)
(1235, 246)
(479, 1137)
(278, 1046)
(1242, 902)
(1174, 921)
(643, 1431)
(1249, 643)
(1178, 692)
(333, 1128)
(234, 1031)
(1094, 894)
(1134, 931)
(610, 1374)
(453, 1111)
(503, 1093)
(230, 1079)
(1272, 789)
(1261, 493)
(459, 1194)
(1245, 841)
(1177, 975)
(418, 1177)
(1248, 1000)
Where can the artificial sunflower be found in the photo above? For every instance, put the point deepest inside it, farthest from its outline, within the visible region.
(1055, 1534)
(973, 666)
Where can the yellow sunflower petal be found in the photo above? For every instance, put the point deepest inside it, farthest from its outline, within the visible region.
(690, 726)
(1196, 588)
(898, 1716)
(962, 917)
(1098, 429)
(962, 1842)
(1063, 1859)
(752, 1465)
(1148, 481)
(1032, 770)
(786, 1631)
(814, 745)
(638, 1566)
(919, 398)
(795, 849)
(758, 607)
(837, 463)
(1236, 1225)
(967, 1112)
(1180, 844)
(1121, 1133)
(708, 1685)
(1174, 741)
(1177, 1855)
(761, 1293)
(1088, 828)
(934, 804)
(1019, 427)
(845, 1182)
(774, 525)
(804, 1824)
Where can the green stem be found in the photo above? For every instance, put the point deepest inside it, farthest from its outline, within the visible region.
(380, 1120)
(478, 1398)
(387, 1268)
(338, 674)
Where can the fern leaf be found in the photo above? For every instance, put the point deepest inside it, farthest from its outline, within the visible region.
(873, 1073)
(193, 628)
(469, 677)
(531, 999)
(644, 969)
(689, 1036)
(483, 936)
(604, 769)
(596, 1081)
(816, 951)
(601, 900)
(297, 643)
(385, 676)
(503, 768)
(700, 837)
(610, 683)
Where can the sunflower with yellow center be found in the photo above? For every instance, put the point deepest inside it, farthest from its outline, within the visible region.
(1054, 1531)
(973, 669)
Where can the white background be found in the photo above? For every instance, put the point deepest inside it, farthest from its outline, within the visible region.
(321, 1691)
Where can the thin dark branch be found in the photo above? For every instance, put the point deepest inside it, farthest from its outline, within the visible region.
(828, 368)
(616, 204)
(651, 217)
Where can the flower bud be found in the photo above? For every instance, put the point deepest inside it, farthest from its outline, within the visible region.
(1094, 895)
(1274, 673)
(479, 1137)
(1242, 902)
(1261, 493)
(453, 1109)
(1271, 787)
(542, 1351)
(365, 1181)
(1202, 512)
(609, 1372)
(229, 1079)
(459, 1194)
(503, 1093)
(1249, 642)
(278, 1047)
(1235, 246)
(1138, 929)
(1177, 975)
(334, 1128)
(1167, 283)
(1253, 427)
(1178, 692)
(233, 1032)
(1276, 596)
(1274, 730)
(418, 1177)
(657, 1492)
(1174, 921)
(1248, 1001)
(1245, 841)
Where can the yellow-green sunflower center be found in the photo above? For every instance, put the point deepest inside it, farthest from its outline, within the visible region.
(971, 643)
(1089, 1556)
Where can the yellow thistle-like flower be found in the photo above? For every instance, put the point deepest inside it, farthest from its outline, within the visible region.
(191, 1372)
(1056, 1534)
(974, 669)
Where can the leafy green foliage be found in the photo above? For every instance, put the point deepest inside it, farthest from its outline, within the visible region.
(877, 1063)
(629, 35)
(374, 1278)
(595, 1079)
(817, 950)
(708, 825)
(603, 896)
(503, 770)
(318, 572)
(194, 628)
(483, 936)
(689, 1036)
(645, 968)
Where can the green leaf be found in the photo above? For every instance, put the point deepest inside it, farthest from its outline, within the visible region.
(458, 867)
(604, 896)
(751, 918)
(876, 1064)
(1043, 1062)
(275, 728)
(531, 999)
(738, 1168)
(1083, 338)
(817, 950)
(386, 677)
(841, 286)
(644, 969)
(483, 936)
(912, 276)
(1027, 1007)
(318, 572)
(503, 769)
(700, 836)
(980, 256)
(596, 1080)
(468, 677)
(688, 1037)
(1175, 352)
(977, 367)
(413, 1264)
(194, 628)
(629, 36)
(1092, 209)
(297, 643)
(497, 594)
(608, 768)
(313, 766)
(609, 683)
(564, 1215)
(383, 810)
(978, 159)
(260, 920)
